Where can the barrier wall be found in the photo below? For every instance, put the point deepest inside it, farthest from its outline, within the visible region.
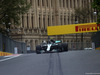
(8, 45)
(79, 45)
(4, 53)
(96, 40)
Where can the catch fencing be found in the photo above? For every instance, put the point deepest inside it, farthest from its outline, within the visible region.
(79, 45)
(8, 45)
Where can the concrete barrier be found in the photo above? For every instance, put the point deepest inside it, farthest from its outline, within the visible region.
(4, 53)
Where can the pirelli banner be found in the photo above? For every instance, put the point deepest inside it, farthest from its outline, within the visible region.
(75, 28)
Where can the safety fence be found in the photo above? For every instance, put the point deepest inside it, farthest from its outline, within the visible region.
(11, 46)
(79, 45)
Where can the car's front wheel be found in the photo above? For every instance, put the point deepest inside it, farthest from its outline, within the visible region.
(38, 48)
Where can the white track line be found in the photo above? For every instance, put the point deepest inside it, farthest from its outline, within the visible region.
(10, 57)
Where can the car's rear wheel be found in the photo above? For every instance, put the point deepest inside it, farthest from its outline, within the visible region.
(38, 48)
(64, 46)
(59, 48)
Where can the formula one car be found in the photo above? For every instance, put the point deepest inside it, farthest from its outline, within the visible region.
(51, 46)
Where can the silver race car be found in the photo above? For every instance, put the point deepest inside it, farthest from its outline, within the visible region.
(51, 46)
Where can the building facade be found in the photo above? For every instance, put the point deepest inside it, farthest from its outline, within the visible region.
(43, 13)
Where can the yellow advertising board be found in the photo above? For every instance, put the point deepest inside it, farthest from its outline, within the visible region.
(70, 29)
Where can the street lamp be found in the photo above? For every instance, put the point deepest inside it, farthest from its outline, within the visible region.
(7, 27)
(95, 13)
(76, 22)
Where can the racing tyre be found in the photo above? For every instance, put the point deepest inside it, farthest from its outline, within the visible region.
(59, 48)
(64, 46)
(38, 48)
